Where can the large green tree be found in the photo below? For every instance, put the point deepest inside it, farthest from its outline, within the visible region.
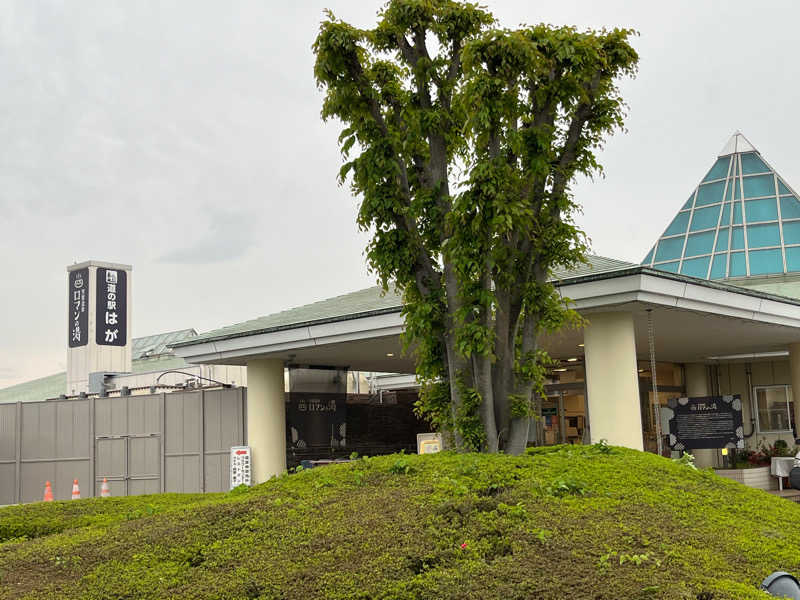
(461, 141)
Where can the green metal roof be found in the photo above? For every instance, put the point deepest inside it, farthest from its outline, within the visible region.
(595, 265)
(157, 363)
(38, 389)
(153, 345)
(366, 302)
(355, 304)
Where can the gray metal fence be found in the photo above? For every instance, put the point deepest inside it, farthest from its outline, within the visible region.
(175, 442)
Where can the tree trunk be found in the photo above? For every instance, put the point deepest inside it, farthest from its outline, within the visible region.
(482, 372)
(502, 370)
(456, 366)
(518, 439)
(484, 381)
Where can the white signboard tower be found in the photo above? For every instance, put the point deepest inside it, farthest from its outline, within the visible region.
(98, 322)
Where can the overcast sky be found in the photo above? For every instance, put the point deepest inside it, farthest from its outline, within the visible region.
(184, 138)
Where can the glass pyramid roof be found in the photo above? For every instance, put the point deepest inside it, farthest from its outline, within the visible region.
(742, 220)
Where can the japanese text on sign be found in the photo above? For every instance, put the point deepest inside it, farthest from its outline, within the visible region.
(708, 422)
(316, 405)
(240, 466)
(111, 307)
(78, 333)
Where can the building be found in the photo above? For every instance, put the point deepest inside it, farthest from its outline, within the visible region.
(713, 310)
(717, 294)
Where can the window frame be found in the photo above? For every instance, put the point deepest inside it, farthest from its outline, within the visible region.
(788, 399)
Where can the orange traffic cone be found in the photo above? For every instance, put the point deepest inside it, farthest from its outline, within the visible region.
(76, 491)
(48, 492)
(104, 491)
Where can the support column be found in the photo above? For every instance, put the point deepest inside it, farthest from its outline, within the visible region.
(697, 386)
(794, 374)
(612, 381)
(266, 418)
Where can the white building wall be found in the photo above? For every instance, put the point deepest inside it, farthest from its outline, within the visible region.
(733, 380)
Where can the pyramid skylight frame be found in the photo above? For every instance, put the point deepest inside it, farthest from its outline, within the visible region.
(741, 220)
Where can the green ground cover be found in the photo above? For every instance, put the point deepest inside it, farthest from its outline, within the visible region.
(560, 523)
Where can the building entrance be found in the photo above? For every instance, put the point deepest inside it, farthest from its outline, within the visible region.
(670, 384)
(564, 418)
(563, 414)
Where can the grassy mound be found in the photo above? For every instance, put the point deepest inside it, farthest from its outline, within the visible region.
(563, 522)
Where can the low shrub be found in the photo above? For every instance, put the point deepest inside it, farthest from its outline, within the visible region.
(595, 522)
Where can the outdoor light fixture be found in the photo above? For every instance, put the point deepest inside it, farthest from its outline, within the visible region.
(776, 354)
(559, 370)
(572, 360)
(781, 584)
(390, 354)
(580, 345)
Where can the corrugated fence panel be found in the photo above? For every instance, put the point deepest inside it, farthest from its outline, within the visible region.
(55, 448)
(34, 476)
(136, 444)
(182, 442)
(144, 457)
(223, 429)
(8, 453)
(8, 432)
(111, 416)
(39, 430)
(72, 428)
(137, 487)
(144, 444)
(110, 461)
(111, 425)
(143, 414)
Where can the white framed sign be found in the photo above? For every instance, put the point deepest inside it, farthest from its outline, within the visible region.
(240, 466)
(429, 443)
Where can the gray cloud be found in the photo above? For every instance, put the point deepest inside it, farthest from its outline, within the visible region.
(228, 237)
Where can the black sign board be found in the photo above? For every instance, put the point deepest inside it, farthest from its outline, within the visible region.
(316, 420)
(111, 324)
(78, 295)
(707, 422)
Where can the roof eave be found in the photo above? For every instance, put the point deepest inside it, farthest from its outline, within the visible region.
(560, 283)
(288, 326)
(643, 270)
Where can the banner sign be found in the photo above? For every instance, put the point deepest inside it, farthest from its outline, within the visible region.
(240, 466)
(316, 420)
(707, 422)
(78, 325)
(111, 315)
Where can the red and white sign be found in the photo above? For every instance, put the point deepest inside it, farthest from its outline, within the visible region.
(240, 466)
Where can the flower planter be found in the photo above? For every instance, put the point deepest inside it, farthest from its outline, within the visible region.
(757, 477)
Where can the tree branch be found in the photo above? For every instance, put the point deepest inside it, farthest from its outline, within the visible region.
(423, 260)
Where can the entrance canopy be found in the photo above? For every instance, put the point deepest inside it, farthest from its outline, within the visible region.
(695, 321)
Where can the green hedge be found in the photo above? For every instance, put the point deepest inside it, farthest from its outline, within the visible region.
(565, 522)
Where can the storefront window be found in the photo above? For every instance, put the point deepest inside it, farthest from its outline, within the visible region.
(774, 408)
